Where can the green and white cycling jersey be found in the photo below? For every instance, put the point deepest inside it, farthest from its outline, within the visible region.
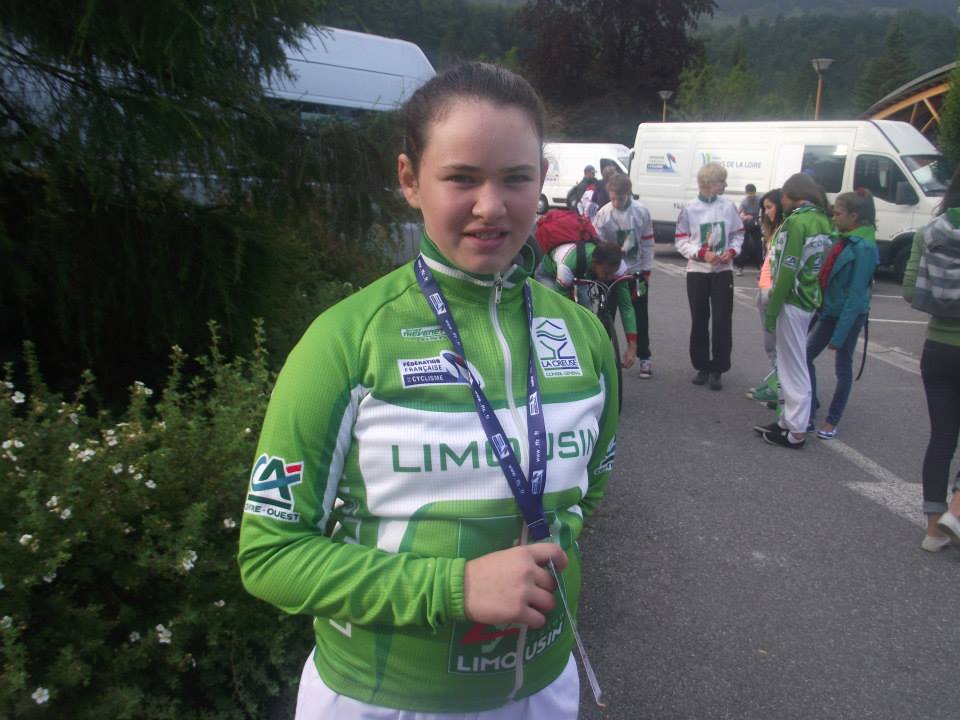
(374, 483)
(795, 259)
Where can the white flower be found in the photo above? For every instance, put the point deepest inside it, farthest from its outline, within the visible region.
(138, 476)
(150, 484)
(53, 502)
(189, 561)
(219, 603)
(65, 515)
(139, 387)
(18, 398)
(247, 431)
(162, 425)
(26, 540)
(40, 695)
(14, 443)
(117, 469)
(6, 622)
(135, 636)
(73, 447)
(229, 523)
(2, 586)
(112, 441)
(8, 384)
(164, 636)
(86, 455)
(74, 418)
(50, 578)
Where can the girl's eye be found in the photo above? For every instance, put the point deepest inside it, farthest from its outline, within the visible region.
(519, 178)
(460, 179)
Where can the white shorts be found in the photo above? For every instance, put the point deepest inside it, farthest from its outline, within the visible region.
(560, 700)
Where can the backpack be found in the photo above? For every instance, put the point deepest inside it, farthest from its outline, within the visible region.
(937, 290)
(558, 227)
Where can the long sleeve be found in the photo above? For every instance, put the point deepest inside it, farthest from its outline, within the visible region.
(684, 241)
(864, 264)
(284, 557)
(647, 241)
(788, 264)
(601, 460)
(913, 264)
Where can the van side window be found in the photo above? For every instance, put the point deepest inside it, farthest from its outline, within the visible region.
(826, 164)
(884, 178)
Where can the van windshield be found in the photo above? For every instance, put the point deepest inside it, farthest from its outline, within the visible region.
(929, 171)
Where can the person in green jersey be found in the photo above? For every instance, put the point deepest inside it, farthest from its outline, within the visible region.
(795, 261)
(379, 501)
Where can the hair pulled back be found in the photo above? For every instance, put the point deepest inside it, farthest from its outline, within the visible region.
(860, 203)
(471, 80)
(803, 187)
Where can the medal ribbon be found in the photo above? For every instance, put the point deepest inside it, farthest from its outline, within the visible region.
(528, 492)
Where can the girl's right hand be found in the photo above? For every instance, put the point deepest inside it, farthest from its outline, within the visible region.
(512, 586)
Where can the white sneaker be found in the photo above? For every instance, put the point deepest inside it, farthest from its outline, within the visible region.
(950, 525)
(934, 544)
(646, 368)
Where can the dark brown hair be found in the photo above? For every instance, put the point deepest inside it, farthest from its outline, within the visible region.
(951, 198)
(472, 80)
(803, 187)
(774, 197)
(607, 254)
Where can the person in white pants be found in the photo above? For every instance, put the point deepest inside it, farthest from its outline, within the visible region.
(795, 295)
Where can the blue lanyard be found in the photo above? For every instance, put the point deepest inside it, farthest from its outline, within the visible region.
(528, 493)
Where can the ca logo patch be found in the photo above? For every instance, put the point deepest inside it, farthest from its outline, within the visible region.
(270, 488)
(555, 350)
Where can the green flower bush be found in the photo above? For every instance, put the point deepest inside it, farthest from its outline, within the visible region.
(119, 591)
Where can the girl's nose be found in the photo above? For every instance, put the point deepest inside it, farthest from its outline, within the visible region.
(490, 202)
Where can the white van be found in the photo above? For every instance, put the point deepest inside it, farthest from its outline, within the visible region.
(891, 159)
(566, 164)
(336, 69)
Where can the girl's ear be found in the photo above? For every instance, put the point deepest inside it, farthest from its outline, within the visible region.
(408, 180)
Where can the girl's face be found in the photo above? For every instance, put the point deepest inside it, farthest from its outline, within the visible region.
(844, 219)
(478, 184)
(770, 210)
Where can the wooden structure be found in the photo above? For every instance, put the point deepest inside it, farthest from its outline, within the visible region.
(918, 102)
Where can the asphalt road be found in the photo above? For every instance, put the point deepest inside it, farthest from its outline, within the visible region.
(727, 578)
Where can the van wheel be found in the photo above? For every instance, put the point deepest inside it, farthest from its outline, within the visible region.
(900, 263)
(542, 205)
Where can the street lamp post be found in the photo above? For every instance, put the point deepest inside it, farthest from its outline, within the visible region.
(665, 95)
(820, 65)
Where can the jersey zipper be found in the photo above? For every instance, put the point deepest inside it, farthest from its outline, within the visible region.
(495, 297)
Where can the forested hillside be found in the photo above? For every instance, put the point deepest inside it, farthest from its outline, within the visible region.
(873, 54)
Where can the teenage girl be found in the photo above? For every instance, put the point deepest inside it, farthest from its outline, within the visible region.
(771, 217)
(845, 280)
(940, 371)
(419, 420)
(796, 257)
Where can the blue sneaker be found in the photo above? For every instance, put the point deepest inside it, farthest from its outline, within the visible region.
(827, 434)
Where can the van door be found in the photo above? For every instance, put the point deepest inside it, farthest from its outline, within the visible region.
(894, 195)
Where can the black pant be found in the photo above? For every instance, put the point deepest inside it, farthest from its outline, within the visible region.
(643, 321)
(940, 369)
(752, 249)
(710, 293)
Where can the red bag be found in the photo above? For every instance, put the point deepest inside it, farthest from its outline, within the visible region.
(557, 227)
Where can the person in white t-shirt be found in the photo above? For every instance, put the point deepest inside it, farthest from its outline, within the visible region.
(626, 222)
